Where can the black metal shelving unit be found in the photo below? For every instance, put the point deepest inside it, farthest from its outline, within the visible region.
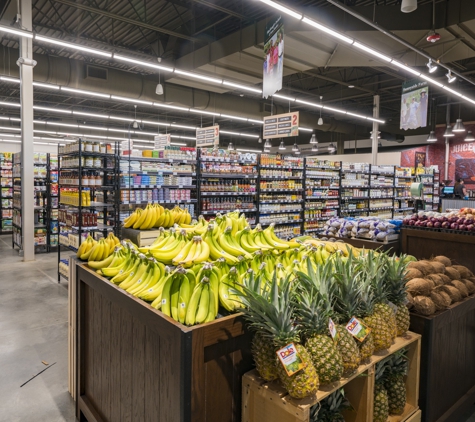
(346, 201)
(381, 191)
(6, 192)
(403, 201)
(74, 169)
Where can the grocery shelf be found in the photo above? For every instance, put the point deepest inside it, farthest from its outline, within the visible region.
(280, 178)
(282, 222)
(322, 197)
(227, 160)
(278, 201)
(99, 227)
(316, 229)
(157, 186)
(320, 219)
(88, 153)
(211, 212)
(93, 204)
(321, 177)
(281, 167)
(355, 187)
(323, 187)
(178, 201)
(86, 168)
(380, 208)
(228, 193)
(357, 210)
(263, 212)
(324, 167)
(229, 176)
(355, 198)
(126, 159)
(281, 190)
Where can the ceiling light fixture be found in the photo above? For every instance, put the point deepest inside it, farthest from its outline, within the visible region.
(313, 139)
(408, 6)
(282, 146)
(320, 120)
(16, 31)
(73, 46)
(469, 137)
(295, 148)
(459, 127)
(283, 9)
(267, 144)
(314, 148)
(327, 30)
(448, 132)
(432, 67)
(259, 141)
(432, 137)
(451, 78)
(371, 51)
(230, 147)
(331, 148)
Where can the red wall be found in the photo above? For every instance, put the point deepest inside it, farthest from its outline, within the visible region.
(461, 157)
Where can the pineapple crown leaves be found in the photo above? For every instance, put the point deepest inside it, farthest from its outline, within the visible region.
(396, 270)
(329, 409)
(269, 310)
(397, 363)
(380, 370)
(373, 268)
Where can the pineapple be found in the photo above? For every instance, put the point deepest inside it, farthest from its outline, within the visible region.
(269, 311)
(396, 283)
(263, 353)
(394, 381)
(346, 299)
(313, 311)
(381, 405)
(329, 409)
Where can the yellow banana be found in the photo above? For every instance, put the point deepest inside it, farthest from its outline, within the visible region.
(191, 311)
(140, 220)
(203, 307)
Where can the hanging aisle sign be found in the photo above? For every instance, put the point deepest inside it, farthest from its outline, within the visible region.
(273, 67)
(414, 100)
(161, 141)
(207, 136)
(281, 125)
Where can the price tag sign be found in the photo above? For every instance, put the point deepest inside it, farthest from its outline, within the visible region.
(161, 141)
(207, 136)
(357, 329)
(290, 359)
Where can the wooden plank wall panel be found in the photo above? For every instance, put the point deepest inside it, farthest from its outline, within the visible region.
(126, 366)
(115, 353)
(88, 352)
(152, 376)
(138, 371)
(97, 349)
(105, 358)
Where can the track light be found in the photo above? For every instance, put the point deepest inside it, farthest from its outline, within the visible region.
(448, 132)
(331, 148)
(432, 67)
(282, 146)
(459, 127)
(295, 148)
(451, 78)
(432, 137)
(313, 139)
(267, 144)
(469, 137)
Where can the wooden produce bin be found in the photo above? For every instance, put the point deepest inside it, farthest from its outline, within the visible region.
(448, 364)
(136, 364)
(425, 243)
(269, 402)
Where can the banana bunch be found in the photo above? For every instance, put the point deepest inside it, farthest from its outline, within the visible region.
(194, 252)
(85, 248)
(229, 283)
(154, 216)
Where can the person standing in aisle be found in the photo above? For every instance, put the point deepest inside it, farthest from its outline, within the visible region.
(459, 189)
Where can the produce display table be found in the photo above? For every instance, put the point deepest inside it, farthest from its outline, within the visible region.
(448, 361)
(425, 243)
(269, 402)
(448, 203)
(136, 364)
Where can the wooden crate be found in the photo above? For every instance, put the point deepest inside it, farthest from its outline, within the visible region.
(448, 367)
(140, 237)
(136, 364)
(269, 402)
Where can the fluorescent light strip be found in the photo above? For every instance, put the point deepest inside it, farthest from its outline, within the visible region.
(406, 68)
(283, 97)
(248, 150)
(15, 31)
(283, 9)
(305, 129)
(73, 46)
(142, 63)
(48, 86)
(243, 87)
(209, 113)
(53, 110)
(372, 52)
(10, 104)
(131, 100)
(327, 30)
(10, 128)
(6, 79)
(80, 91)
(198, 76)
(171, 107)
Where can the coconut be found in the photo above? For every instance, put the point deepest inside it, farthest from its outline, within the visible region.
(452, 273)
(421, 266)
(424, 305)
(443, 259)
(445, 278)
(469, 285)
(461, 286)
(438, 267)
(436, 279)
(453, 292)
(429, 268)
(419, 286)
(410, 301)
(446, 297)
(440, 302)
(464, 271)
(413, 273)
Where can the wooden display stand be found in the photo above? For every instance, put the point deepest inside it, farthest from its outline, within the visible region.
(393, 246)
(269, 402)
(425, 243)
(136, 364)
(448, 367)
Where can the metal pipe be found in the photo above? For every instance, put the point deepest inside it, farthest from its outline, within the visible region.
(375, 140)
(395, 37)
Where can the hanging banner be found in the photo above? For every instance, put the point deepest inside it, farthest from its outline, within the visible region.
(281, 125)
(161, 141)
(207, 136)
(414, 100)
(273, 57)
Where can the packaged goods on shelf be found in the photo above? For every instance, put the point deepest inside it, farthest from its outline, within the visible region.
(6, 181)
(281, 160)
(313, 162)
(277, 198)
(64, 268)
(217, 154)
(227, 168)
(227, 204)
(356, 167)
(280, 184)
(366, 228)
(278, 218)
(72, 218)
(86, 146)
(70, 196)
(176, 153)
(89, 161)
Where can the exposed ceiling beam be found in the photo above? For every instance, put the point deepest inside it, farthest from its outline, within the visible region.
(221, 9)
(127, 20)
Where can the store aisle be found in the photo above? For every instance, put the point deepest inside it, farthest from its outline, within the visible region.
(33, 327)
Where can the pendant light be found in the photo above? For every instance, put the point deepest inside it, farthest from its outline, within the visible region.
(469, 137)
(408, 6)
(448, 132)
(297, 152)
(230, 147)
(259, 141)
(282, 146)
(313, 139)
(320, 120)
(459, 127)
(314, 148)
(331, 148)
(267, 144)
(266, 149)
(432, 137)
(295, 148)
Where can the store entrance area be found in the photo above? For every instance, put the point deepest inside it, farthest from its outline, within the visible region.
(33, 328)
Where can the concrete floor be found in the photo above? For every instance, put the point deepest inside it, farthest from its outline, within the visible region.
(33, 327)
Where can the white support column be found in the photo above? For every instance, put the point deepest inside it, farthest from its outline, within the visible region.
(26, 64)
(374, 138)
